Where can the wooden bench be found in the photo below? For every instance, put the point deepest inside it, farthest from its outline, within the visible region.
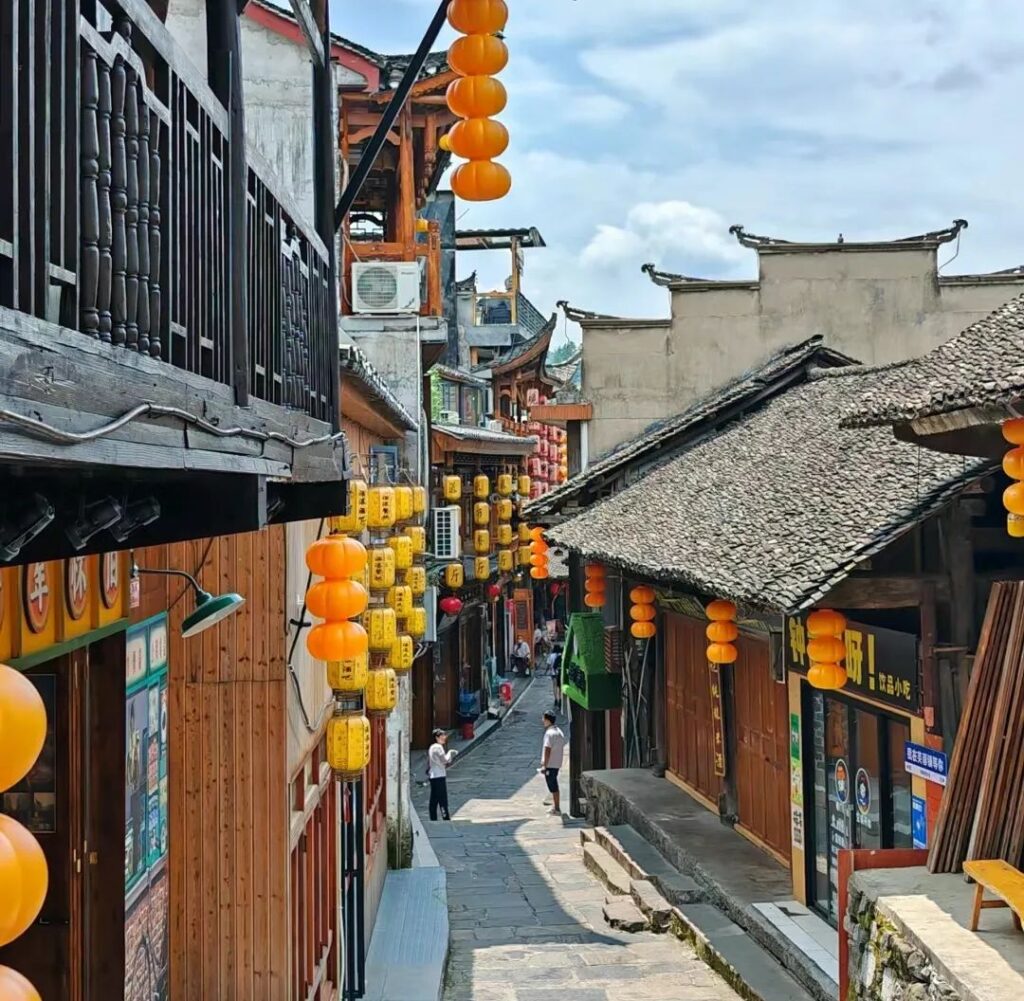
(1001, 879)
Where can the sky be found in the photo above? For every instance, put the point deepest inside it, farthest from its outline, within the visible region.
(641, 129)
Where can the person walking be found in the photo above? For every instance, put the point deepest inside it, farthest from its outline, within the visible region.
(521, 657)
(438, 760)
(555, 670)
(551, 761)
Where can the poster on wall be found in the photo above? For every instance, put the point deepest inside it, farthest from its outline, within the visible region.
(145, 839)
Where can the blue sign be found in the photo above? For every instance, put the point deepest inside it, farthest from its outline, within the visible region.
(919, 822)
(925, 763)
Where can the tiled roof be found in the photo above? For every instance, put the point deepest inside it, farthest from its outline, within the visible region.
(659, 435)
(530, 319)
(466, 432)
(983, 366)
(779, 507)
(457, 375)
(354, 361)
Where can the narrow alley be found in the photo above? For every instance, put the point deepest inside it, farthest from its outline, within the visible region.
(526, 916)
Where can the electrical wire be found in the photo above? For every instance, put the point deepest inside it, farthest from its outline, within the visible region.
(62, 437)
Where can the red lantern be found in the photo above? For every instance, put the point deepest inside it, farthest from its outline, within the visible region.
(493, 591)
(450, 605)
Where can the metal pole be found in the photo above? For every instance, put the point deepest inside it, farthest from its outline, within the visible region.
(376, 143)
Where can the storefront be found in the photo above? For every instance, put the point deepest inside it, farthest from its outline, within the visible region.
(850, 787)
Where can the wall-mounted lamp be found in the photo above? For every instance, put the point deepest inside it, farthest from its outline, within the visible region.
(210, 609)
(137, 514)
(25, 526)
(92, 519)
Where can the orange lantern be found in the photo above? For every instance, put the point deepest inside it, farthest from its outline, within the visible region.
(826, 649)
(1013, 498)
(481, 180)
(33, 882)
(478, 139)
(828, 677)
(478, 17)
(721, 632)
(642, 630)
(1013, 463)
(722, 653)
(337, 641)
(336, 556)
(596, 585)
(536, 533)
(721, 611)
(1013, 431)
(825, 622)
(335, 600)
(539, 573)
(14, 987)
(539, 547)
(476, 97)
(595, 571)
(643, 613)
(22, 726)
(642, 595)
(594, 599)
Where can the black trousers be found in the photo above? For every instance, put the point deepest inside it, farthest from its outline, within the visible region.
(439, 798)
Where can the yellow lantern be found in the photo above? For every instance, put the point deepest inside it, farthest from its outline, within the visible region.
(402, 653)
(380, 508)
(524, 557)
(22, 726)
(382, 568)
(400, 599)
(481, 568)
(504, 535)
(481, 514)
(348, 745)
(482, 541)
(381, 692)
(505, 485)
(403, 504)
(524, 533)
(524, 486)
(402, 546)
(416, 580)
(506, 560)
(721, 653)
(505, 510)
(454, 576)
(355, 521)
(348, 675)
(642, 630)
(362, 578)
(416, 623)
(481, 487)
(452, 487)
(381, 629)
(418, 536)
(1015, 526)
(419, 500)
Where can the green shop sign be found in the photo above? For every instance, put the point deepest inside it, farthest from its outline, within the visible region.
(585, 679)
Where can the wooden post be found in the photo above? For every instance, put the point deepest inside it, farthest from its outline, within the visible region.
(224, 58)
(929, 664)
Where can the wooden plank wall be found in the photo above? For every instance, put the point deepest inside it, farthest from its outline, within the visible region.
(228, 838)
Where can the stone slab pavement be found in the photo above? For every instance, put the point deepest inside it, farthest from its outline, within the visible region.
(526, 917)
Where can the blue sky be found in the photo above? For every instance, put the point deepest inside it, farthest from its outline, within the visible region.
(641, 130)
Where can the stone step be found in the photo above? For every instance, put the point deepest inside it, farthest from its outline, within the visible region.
(655, 907)
(607, 870)
(623, 914)
(749, 969)
(587, 836)
(643, 861)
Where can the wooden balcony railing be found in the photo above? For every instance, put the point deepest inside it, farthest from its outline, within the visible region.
(114, 187)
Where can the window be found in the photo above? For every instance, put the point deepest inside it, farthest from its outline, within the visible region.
(450, 396)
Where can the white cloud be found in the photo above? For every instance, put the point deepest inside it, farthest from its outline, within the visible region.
(656, 230)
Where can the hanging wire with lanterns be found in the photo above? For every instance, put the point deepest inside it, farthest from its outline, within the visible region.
(642, 613)
(721, 632)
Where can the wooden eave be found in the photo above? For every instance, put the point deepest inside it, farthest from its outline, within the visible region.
(443, 445)
(362, 407)
(561, 413)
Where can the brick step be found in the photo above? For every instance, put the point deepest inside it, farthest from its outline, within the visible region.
(607, 870)
(623, 914)
(750, 970)
(654, 906)
(643, 861)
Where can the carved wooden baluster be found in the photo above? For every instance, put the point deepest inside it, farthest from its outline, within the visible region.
(106, 218)
(118, 203)
(155, 347)
(286, 328)
(88, 314)
(131, 145)
(143, 221)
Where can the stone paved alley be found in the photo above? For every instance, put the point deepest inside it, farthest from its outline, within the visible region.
(525, 914)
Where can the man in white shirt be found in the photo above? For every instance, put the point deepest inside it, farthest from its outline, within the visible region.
(438, 760)
(551, 760)
(521, 657)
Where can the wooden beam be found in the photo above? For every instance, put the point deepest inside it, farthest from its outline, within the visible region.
(867, 591)
(310, 31)
(930, 699)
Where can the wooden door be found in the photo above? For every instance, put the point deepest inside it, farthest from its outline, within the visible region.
(689, 729)
(48, 803)
(422, 702)
(761, 712)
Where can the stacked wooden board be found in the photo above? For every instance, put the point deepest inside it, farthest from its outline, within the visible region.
(982, 811)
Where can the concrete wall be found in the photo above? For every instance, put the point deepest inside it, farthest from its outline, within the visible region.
(880, 304)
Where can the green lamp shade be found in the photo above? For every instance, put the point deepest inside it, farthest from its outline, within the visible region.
(209, 611)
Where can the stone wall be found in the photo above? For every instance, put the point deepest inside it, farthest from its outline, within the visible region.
(884, 965)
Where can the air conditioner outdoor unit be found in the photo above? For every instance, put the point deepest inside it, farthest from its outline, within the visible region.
(448, 417)
(430, 604)
(385, 287)
(447, 529)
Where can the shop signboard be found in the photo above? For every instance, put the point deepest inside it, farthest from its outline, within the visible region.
(919, 821)
(925, 763)
(145, 843)
(881, 664)
(717, 722)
